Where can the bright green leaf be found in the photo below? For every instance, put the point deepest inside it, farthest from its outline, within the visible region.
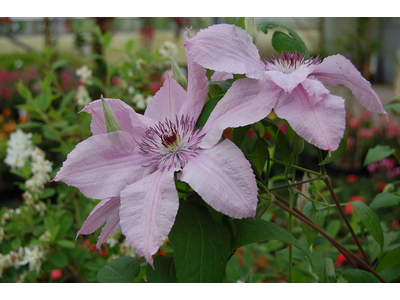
(391, 258)
(384, 200)
(207, 109)
(15, 244)
(58, 258)
(120, 270)
(59, 63)
(370, 220)
(378, 153)
(66, 244)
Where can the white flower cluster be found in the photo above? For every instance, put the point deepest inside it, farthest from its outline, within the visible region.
(168, 49)
(19, 148)
(140, 101)
(82, 96)
(85, 75)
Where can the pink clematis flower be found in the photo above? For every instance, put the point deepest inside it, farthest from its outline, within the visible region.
(301, 97)
(132, 170)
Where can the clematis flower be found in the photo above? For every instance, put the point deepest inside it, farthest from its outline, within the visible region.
(301, 97)
(132, 170)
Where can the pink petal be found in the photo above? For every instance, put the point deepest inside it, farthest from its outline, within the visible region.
(127, 118)
(289, 81)
(247, 101)
(337, 70)
(102, 166)
(221, 76)
(224, 179)
(315, 89)
(106, 211)
(148, 211)
(197, 88)
(226, 48)
(167, 102)
(321, 124)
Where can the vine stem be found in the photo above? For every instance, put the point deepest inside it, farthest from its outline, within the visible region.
(339, 246)
(346, 220)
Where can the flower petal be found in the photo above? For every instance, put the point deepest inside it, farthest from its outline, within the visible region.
(197, 88)
(167, 102)
(226, 48)
(289, 81)
(224, 179)
(107, 210)
(337, 70)
(148, 210)
(127, 118)
(247, 101)
(221, 76)
(315, 89)
(321, 124)
(104, 164)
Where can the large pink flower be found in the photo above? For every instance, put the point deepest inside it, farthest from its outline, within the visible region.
(132, 170)
(302, 98)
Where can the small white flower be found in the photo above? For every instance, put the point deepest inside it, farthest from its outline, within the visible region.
(140, 63)
(168, 49)
(126, 250)
(131, 90)
(32, 257)
(82, 96)
(19, 148)
(139, 101)
(112, 241)
(40, 208)
(1, 234)
(85, 75)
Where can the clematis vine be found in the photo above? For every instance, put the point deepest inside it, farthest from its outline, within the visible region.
(292, 84)
(133, 170)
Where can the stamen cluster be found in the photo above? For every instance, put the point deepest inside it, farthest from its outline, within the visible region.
(170, 143)
(288, 62)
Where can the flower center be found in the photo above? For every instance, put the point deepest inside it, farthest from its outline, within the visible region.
(171, 143)
(288, 62)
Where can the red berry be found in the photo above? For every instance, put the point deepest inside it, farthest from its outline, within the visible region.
(56, 274)
(351, 178)
(340, 260)
(103, 252)
(395, 224)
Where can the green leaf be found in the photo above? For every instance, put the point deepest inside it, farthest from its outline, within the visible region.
(239, 134)
(120, 270)
(58, 64)
(318, 264)
(359, 276)
(64, 102)
(163, 272)
(47, 193)
(58, 258)
(281, 41)
(15, 244)
(390, 274)
(66, 244)
(393, 106)
(378, 153)
(207, 109)
(129, 46)
(251, 230)
(335, 154)
(260, 150)
(384, 200)
(391, 258)
(370, 220)
(317, 216)
(240, 23)
(218, 88)
(201, 245)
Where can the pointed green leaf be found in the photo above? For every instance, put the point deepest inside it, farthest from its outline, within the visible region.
(109, 117)
(378, 153)
(391, 258)
(120, 270)
(251, 230)
(370, 220)
(207, 109)
(317, 216)
(240, 23)
(359, 276)
(260, 150)
(239, 134)
(178, 75)
(384, 200)
(335, 154)
(163, 272)
(318, 264)
(201, 245)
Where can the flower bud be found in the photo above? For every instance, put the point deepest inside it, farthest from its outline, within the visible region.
(329, 270)
(178, 75)
(109, 117)
(297, 145)
(388, 188)
(251, 28)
